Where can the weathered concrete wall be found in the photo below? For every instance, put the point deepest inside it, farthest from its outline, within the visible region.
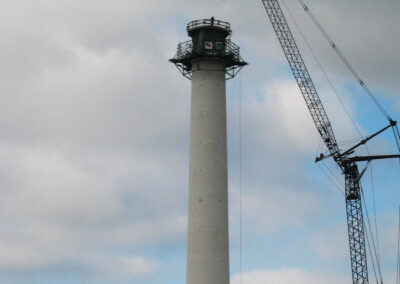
(208, 243)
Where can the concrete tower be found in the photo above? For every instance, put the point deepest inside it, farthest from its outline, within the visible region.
(208, 59)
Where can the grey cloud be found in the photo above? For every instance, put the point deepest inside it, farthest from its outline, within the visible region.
(94, 127)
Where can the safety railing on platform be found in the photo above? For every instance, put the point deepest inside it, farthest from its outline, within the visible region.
(207, 23)
(185, 49)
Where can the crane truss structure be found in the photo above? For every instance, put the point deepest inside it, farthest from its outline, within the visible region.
(348, 166)
(355, 225)
(301, 75)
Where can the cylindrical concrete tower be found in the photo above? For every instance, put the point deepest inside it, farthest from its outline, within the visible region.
(208, 59)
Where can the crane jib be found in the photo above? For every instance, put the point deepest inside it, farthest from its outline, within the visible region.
(302, 76)
(355, 222)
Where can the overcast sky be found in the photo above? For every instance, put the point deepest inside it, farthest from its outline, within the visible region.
(94, 141)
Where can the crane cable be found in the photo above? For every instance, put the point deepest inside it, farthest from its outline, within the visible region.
(372, 260)
(348, 65)
(397, 137)
(344, 59)
(375, 246)
(240, 179)
(374, 251)
(322, 68)
(331, 179)
(352, 70)
(334, 91)
(395, 128)
(374, 207)
(339, 188)
(398, 253)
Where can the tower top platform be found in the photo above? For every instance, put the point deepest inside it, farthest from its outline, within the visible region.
(207, 24)
(210, 39)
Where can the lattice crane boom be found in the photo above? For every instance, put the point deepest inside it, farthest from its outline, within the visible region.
(355, 221)
(302, 76)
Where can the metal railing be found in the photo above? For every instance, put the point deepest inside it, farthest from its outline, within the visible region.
(185, 49)
(207, 23)
(232, 48)
(186, 52)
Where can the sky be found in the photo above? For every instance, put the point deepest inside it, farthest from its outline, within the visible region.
(94, 141)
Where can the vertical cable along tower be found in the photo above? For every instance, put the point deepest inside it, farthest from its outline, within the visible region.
(208, 59)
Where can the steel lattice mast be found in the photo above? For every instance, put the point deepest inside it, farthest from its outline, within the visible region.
(355, 221)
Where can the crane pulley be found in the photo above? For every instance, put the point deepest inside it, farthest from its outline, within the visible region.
(346, 163)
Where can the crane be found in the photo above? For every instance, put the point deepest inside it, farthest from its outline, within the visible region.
(344, 159)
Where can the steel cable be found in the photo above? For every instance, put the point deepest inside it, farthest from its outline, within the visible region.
(396, 137)
(339, 188)
(351, 119)
(240, 178)
(398, 253)
(372, 237)
(375, 221)
(348, 65)
(344, 60)
(322, 68)
(372, 260)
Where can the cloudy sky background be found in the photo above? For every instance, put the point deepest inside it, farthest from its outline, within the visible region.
(94, 148)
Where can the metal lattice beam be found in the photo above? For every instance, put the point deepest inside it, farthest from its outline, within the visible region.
(355, 225)
(302, 76)
(354, 214)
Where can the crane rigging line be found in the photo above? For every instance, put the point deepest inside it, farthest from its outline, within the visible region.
(322, 68)
(395, 129)
(351, 69)
(374, 251)
(397, 137)
(375, 246)
(330, 83)
(344, 60)
(333, 175)
(374, 207)
(353, 190)
(330, 175)
(339, 188)
(372, 260)
(398, 253)
(350, 141)
(240, 179)
(348, 65)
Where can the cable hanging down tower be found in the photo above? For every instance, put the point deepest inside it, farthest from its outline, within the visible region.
(346, 162)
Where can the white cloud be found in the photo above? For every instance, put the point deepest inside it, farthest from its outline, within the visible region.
(63, 211)
(281, 209)
(288, 276)
(330, 243)
(123, 268)
(94, 127)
